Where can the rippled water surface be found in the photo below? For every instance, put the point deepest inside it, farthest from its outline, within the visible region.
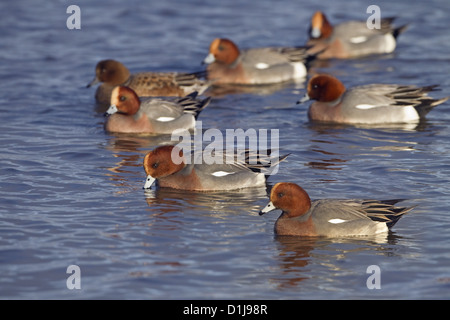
(72, 194)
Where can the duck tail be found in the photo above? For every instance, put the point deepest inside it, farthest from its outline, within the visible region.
(426, 105)
(193, 105)
(386, 25)
(397, 31)
(264, 161)
(386, 211)
(418, 98)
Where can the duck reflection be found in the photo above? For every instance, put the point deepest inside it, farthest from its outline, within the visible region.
(293, 258)
(134, 143)
(210, 203)
(296, 254)
(334, 145)
(172, 209)
(325, 127)
(263, 90)
(328, 161)
(129, 150)
(327, 155)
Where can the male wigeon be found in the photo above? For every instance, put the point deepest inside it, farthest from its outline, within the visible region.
(351, 39)
(367, 104)
(330, 217)
(171, 168)
(130, 114)
(227, 64)
(113, 73)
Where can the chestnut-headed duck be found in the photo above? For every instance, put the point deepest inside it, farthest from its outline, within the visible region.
(330, 217)
(227, 64)
(351, 39)
(130, 114)
(113, 73)
(171, 168)
(367, 104)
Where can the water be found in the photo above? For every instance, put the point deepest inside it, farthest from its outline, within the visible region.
(71, 194)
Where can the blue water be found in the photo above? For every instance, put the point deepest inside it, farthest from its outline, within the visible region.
(72, 194)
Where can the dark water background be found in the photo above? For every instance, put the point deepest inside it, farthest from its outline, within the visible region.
(72, 194)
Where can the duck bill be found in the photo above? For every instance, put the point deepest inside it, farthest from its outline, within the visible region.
(209, 59)
(268, 208)
(149, 182)
(93, 82)
(315, 33)
(111, 110)
(304, 99)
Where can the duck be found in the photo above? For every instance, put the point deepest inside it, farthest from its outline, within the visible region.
(227, 64)
(351, 39)
(170, 167)
(111, 73)
(330, 217)
(369, 104)
(129, 113)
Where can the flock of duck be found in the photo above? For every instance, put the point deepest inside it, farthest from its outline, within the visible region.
(159, 103)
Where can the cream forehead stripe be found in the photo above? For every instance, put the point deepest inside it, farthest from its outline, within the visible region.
(214, 45)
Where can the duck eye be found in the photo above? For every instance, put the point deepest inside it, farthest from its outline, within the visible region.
(155, 165)
(122, 98)
(280, 195)
(315, 86)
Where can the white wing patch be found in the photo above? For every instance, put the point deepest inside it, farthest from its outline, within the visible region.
(336, 221)
(165, 119)
(221, 173)
(365, 106)
(359, 39)
(261, 65)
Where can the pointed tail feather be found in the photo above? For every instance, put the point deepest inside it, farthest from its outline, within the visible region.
(385, 211)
